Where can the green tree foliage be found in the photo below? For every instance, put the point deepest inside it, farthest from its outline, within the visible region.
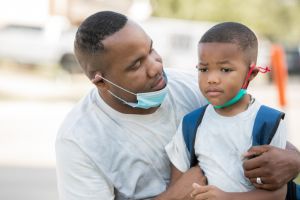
(278, 20)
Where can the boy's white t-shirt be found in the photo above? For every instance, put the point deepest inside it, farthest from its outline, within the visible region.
(219, 145)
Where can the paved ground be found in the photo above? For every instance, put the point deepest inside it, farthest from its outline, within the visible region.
(33, 105)
(27, 183)
(31, 108)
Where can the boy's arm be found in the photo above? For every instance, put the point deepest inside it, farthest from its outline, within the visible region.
(180, 187)
(276, 166)
(213, 193)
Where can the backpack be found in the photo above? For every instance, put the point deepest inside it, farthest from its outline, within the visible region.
(266, 123)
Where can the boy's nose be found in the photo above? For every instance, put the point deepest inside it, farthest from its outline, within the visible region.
(213, 78)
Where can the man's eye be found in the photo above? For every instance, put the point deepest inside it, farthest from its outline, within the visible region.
(136, 65)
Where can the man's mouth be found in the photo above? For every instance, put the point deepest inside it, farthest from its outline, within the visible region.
(159, 84)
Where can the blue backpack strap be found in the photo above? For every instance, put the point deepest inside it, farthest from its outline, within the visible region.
(265, 126)
(297, 191)
(190, 125)
(293, 191)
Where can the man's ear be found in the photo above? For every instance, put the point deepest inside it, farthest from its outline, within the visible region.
(97, 78)
(99, 81)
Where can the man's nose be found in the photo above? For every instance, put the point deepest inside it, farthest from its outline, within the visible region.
(154, 65)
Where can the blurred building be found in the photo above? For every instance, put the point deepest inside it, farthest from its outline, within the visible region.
(77, 10)
(175, 40)
(37, 11)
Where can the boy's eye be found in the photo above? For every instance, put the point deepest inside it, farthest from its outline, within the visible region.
(225, 69)
(202, 69)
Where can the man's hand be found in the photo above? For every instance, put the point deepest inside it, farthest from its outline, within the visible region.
(208, 192)
(273, 165)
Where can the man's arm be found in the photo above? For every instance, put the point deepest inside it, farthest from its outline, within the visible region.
(275, 166)
(77, 176)
(292, 148)
(180, 187)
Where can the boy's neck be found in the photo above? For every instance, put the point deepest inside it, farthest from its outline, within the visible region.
(236, 108)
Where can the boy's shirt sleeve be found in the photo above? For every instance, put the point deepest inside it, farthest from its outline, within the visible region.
(177, 152)
(280, 137)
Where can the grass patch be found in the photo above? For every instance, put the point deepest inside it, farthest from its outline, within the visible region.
(297, 180)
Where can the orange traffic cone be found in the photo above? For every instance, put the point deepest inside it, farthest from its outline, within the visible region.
(279, 72)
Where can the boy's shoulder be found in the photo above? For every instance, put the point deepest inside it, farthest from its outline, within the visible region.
(266, 124)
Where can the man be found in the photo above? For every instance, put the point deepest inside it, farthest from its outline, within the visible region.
(111, 145)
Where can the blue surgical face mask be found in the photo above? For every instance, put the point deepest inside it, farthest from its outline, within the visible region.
(145, 100)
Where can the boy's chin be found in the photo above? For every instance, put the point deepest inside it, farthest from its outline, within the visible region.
(215, 103)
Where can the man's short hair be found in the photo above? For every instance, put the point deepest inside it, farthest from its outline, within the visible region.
(236, 33)
(96, 28)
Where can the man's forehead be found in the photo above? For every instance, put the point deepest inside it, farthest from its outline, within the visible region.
(131, 32)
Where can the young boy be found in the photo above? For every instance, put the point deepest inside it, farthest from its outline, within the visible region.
(227, 63)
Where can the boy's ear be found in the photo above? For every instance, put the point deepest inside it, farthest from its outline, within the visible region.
(253, 73)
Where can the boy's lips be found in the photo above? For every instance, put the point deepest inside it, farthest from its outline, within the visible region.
(213, 92)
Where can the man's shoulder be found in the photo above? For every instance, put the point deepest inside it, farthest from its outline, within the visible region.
(174, 73)
(182, 80)
(76, 119)
(184, 90)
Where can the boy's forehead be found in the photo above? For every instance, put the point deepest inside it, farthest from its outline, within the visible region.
(215, 44)
(219, 52)
(218, 47)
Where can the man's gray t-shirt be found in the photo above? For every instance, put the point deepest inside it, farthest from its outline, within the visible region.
(104, 154)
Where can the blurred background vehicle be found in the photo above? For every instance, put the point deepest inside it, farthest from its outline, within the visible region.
(41, 45)
(293, 60)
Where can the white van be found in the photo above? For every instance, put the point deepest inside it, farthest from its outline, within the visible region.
(40, 44)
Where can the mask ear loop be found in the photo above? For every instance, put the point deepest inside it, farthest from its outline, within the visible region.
(252, 67)
(98, 76)
(246, 83)
(264, 70)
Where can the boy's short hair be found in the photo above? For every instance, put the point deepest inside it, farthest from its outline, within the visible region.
(93, 30)
(233, 32)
